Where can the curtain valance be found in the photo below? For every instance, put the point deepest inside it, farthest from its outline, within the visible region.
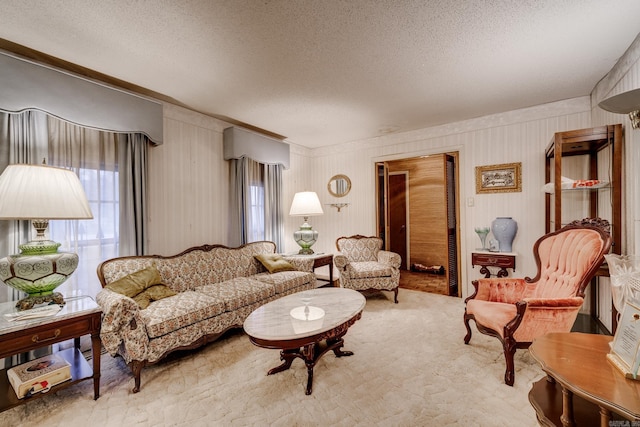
(27, 85)
(239, 143)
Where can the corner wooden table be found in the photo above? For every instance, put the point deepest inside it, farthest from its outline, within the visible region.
(79, 316)
(582, 386)
(305, 325)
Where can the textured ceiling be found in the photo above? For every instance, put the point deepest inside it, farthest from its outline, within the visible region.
(333, 71)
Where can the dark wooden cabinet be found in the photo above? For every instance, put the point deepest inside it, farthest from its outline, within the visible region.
(586, 154)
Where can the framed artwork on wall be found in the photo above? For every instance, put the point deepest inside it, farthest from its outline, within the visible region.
(502, 178)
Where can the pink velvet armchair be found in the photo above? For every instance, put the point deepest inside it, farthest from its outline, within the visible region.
(518, 310)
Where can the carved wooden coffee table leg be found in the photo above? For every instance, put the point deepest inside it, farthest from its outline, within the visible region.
(287, 356)
(310, 360)
(336, 346)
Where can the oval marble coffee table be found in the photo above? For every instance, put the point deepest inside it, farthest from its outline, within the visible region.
(306, 324)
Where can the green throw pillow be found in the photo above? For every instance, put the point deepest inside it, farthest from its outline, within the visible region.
(274, 263)
(153, 293)
(134, 283)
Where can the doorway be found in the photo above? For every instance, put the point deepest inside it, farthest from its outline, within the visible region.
(418, 207)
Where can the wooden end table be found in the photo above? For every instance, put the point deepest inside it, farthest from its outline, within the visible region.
(320, 260)
(278, 325)
(582, 386)
(79, 316)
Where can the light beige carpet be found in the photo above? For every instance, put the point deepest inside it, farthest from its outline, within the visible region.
(410, 368)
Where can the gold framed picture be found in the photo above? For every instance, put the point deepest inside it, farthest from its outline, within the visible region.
(502, 178)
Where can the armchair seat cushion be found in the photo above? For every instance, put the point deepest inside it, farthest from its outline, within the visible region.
(183, 309)
(493, 315)
(369, 269)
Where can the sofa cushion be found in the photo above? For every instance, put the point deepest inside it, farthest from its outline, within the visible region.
(153, 293)
(238, 292)
(274, 263)
(183, 309)
(366, 269)
(285, 280)
(134, 283)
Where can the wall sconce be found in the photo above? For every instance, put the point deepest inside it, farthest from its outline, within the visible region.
(625, 103)
(338, 205)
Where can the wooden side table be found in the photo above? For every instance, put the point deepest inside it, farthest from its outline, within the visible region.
(79, 316)
(582, 386)
(501, 260)
(320, 260)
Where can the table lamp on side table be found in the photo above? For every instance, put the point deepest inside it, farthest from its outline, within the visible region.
(40, 193)
(305, 204)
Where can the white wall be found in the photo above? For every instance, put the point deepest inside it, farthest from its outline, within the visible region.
(187, 183)
(623, 77)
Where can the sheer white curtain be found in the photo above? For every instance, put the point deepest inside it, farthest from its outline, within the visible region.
(93, 156)
(256, 202)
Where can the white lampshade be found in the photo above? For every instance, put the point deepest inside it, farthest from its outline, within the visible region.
(42, 192)
(306, 203)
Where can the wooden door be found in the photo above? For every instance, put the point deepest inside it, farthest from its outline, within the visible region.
(398, 221)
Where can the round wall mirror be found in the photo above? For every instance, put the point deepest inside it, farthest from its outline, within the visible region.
(339, 185)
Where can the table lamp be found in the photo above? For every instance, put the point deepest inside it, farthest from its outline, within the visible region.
(305, 204)
(40, 193)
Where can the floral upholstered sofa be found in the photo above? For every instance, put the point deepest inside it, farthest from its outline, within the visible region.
(206, 291)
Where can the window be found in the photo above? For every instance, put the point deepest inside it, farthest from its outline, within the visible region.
(93, 240)
(255, 230)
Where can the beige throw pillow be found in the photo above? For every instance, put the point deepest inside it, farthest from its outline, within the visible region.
(153, 293)
(135, 283)
(274, 263)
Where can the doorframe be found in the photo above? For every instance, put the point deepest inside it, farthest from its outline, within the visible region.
(458, 152)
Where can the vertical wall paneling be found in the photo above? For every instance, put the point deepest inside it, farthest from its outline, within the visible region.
(514, 136)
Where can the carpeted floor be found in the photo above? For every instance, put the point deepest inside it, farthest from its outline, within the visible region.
(410, 368)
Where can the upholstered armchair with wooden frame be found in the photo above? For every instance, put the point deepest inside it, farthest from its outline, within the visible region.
(364, 266)
(518, 310)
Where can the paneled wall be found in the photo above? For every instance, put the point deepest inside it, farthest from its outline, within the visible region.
(188, 183)
(515, 136)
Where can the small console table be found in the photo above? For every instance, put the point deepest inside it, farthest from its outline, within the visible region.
(581, 386)
(79, 316)
(501, 260)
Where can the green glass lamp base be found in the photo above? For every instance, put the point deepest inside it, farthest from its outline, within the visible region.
(305, 237)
